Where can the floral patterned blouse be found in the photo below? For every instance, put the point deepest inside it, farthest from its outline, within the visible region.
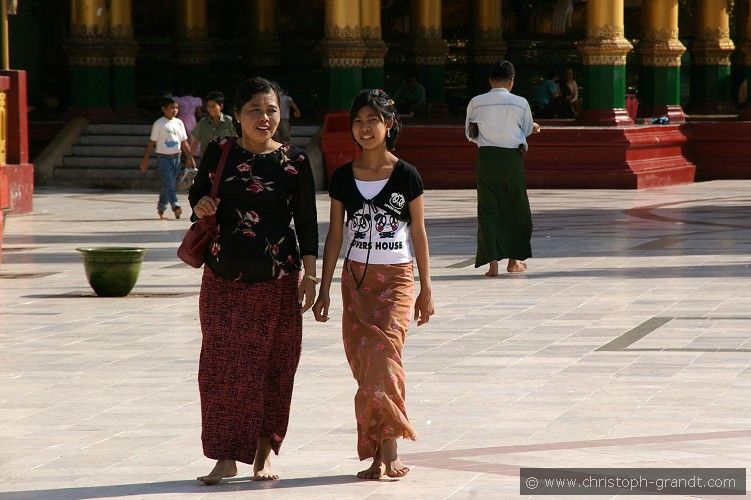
(259, 196)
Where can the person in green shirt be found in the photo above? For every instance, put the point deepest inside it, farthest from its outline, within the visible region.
(214, 125)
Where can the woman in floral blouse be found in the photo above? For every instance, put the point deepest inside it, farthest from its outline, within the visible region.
(254, 289)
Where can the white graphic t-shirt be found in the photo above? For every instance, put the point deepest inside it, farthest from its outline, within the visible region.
(378, 218)
(168, 134)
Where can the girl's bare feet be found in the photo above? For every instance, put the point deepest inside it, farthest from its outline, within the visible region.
(222, 469)
(516, 266)
(390, 458)
(493, 271)
(262, 462)
(376, 470)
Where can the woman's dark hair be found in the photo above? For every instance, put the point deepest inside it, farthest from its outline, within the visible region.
(253, 86)
(380, 102)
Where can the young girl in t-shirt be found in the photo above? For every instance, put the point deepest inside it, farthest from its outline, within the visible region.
(381, 197)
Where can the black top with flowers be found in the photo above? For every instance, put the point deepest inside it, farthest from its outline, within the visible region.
(259, 196)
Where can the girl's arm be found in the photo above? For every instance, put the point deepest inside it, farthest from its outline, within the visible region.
(330, 256)
(424, 302)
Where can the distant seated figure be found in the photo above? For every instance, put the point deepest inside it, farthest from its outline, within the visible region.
(410, 97)
(546, 94)
(743, 93)
(570, 106)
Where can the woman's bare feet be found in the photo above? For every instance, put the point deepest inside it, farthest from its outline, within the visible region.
(262, 462)
(493, 271)
(376, 470)
(390, 458)
(222, 469)
(516, 266)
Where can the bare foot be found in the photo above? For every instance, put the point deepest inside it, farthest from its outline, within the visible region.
(375, 471)
(262, 462)
(390, 457)
(222, 469)
(516, 266)
(493, 271)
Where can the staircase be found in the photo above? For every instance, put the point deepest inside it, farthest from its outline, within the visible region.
(107, 155)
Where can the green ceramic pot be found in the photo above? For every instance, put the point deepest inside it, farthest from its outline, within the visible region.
(112, 271)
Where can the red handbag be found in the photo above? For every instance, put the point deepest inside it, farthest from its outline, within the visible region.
(192, 250)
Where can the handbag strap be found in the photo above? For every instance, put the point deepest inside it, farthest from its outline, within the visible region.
(226, 148)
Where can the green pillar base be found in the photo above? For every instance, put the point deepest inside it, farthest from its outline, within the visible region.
(710, 90)
(372, 78)
(605, 99)
(90, 87)
(343, 85)
(123, 87)
(433, 78)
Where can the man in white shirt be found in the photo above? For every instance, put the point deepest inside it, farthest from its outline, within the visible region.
(499, 123)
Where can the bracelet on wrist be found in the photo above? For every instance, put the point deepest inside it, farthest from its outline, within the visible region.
(312, 278)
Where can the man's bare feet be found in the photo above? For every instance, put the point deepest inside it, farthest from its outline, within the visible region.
(262, 462)
(390, 458)
(222, 469)
(493, 271)
(516, 266)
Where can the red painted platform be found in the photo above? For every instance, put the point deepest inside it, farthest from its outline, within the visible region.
(721, 150)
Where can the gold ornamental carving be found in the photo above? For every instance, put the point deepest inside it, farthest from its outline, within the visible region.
(661, 35)
(428, 47)
(371, 32)
(344, 32)
(487, 46)
(604, 46)
(662, 53)
(193, 51)
(263, 49)
(712, 47)
(375, 53)
(342, 52)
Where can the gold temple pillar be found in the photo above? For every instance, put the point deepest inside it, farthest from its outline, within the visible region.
(486, 45)
(660, 52)
(375, 47)
(711, 48)
(193, 47)
(123, 63)
(429, 48)
(264, 50)
(89, 58)
(342, 50)
(604, 56)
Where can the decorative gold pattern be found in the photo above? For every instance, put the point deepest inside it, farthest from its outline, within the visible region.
(660, 35)
(342, 52)
(91, 50)
(371, 32)
(375, 53)
(193, 51)
(607, 32)
(124, 50)
(3, 127)
(121, 31)
(599, 52)
(663, 53)
(712, 47)
(487, 47)
(348, 32)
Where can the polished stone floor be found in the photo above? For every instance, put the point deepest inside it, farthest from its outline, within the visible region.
(627, 344)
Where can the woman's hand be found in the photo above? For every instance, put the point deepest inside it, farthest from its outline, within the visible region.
(321, 307)
(206, 206)
(306, 293)
(424, 307)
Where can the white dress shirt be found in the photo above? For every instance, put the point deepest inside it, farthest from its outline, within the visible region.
(504, 120)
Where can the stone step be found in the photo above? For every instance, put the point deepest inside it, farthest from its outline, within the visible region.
(108, 151)
(103, 172)
(96, 163)
(108, 178)
(107, 140)
(119, 129)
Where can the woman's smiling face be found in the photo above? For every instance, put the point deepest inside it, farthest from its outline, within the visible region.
(368, 128)
(259, 117)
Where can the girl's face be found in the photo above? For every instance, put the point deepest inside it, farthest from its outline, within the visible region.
(369, 129)
(259, 117)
